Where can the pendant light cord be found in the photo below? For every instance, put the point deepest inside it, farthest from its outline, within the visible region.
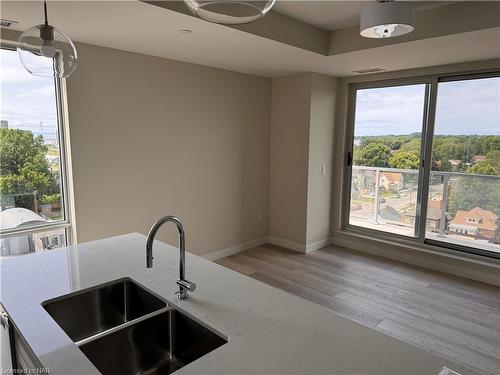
(45, 12)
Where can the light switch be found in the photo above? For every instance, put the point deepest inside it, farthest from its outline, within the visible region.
(323, 169)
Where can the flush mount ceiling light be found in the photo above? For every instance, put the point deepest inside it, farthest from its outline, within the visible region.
(230, 12)
(386, 19)
(45, 51)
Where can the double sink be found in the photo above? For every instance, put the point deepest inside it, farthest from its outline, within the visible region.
(124, 329)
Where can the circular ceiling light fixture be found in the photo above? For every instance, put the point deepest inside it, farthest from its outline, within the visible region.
(230, 12)
(45, 51)
(386, 19)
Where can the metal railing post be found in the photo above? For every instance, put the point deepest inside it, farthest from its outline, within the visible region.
(444, 203)
(376, 205)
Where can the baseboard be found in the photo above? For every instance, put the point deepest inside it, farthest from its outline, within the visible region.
(235, 249)
(318, 245)
(451, 266)
(287, 243)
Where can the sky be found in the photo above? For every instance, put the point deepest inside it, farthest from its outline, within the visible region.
(26, 100)
(463, 108)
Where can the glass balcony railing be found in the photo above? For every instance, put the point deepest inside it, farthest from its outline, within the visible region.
(462, 208)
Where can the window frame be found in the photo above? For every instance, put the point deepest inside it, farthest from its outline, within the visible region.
(430, 105)
(68, 224)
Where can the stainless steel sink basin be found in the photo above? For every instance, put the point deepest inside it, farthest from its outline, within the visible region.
(97, 309)
(158, 345)
(123, 329)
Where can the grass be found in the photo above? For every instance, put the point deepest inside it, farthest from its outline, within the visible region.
(362, 200)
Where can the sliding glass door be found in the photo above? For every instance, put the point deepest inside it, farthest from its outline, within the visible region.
(386, 158)
(464, 190)
(424, 162)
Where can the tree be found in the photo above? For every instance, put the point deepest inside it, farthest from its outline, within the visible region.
(375, 155)
(469, 192)
(449, 148)
(482, 167)
(493, 158)
(444, 165)
(356, 155)
(395, 142)
(404, 160)
(23, 167)
(412, 146)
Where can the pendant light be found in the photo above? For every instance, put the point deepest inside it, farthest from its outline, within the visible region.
(229, 12)
(386, 19)
(46, 51)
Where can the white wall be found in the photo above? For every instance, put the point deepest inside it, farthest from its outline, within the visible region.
(302, 118)
(290, 113)
(323, 93)
(152, 137)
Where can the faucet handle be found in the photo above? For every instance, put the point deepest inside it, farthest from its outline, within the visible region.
(187, 285)
(184, 287)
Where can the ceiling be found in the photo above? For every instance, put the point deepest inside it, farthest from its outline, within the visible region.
(143, 28)
(333, 14)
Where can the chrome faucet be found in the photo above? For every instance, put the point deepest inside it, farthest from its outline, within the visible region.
(184, 285)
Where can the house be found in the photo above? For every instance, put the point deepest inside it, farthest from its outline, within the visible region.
(390, 214)
(20, 218)
(478, 158)
(455, 164)
(433, 215)
(434, 207)
(391, 181)
(476, 223)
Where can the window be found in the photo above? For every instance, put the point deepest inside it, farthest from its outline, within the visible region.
(452, 199)
(33, 211)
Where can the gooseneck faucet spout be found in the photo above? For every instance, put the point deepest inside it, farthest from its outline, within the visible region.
(184, 285)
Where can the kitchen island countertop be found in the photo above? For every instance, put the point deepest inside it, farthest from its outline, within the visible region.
(269, 330)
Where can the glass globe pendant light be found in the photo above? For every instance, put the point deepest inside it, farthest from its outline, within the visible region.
(46, 51)
(229, 12)
(386, 19)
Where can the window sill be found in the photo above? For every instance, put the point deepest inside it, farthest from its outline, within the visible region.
(477, 267)
(14, 232)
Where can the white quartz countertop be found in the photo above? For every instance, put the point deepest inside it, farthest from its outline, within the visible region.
(269, 331)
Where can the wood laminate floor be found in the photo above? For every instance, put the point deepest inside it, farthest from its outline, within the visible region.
(456, 318)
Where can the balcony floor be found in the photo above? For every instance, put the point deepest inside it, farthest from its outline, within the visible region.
(409, 232)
